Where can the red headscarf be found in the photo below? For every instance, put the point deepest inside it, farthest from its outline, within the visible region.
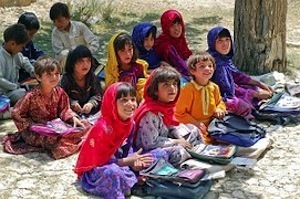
(155, 106)
(106, 136)
(164, 41)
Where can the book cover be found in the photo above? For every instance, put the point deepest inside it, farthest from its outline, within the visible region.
(219, 151)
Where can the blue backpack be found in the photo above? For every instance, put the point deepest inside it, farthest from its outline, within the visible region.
(234, 129)
(4, 103)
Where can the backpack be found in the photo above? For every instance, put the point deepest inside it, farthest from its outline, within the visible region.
(164, 180)
(234, 129)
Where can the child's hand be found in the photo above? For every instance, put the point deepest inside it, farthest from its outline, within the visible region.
(87, 108)
(263, 94)
(139, 161)
(77, 122)
(77, 108)
(265, 87)
(183, 142)
(219, 113)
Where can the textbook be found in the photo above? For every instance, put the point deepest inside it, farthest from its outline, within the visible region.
(220, 154)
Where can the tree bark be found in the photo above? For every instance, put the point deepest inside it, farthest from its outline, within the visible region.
(260, 35)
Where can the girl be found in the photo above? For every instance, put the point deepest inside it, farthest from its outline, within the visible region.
(122, 64)
(45, 102)
(106, 158)
(143, 36)
(171, 45)
(156, 124)
(200, 100)
(240, 92)
(80, 83)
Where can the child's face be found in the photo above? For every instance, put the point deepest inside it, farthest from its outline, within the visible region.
(61, 23)
(223, 45)
(149, 42)
(13, 48)
(125, 55)
(49, 79)
(175, 30)
(203, 72)
(126, 106)
(31, 33)
(167, 91)
(82, 66)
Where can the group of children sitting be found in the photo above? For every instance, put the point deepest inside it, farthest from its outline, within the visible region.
(158, 98)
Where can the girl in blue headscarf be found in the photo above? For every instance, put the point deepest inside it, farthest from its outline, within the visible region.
(240, 92)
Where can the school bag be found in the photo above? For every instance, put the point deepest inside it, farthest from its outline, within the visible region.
(164, 180)
(54, 128)
(236, 130)
(219, 154)
(4, 103)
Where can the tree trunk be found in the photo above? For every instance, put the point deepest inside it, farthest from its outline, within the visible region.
(260, 35)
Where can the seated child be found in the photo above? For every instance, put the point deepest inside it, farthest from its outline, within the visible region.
(240, 92)
(67, 34)
(80, 83)
(155, 120)
(45, 102)
(171, 45)
(106, 163)
(11, 61)
(143, 36)
(123, 65)
(200, 100)
(30, 50)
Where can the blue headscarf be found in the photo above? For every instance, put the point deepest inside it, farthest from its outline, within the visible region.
(138, 36)
(225, 67)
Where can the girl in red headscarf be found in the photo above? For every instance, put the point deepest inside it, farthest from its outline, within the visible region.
(106, 160)
(156, 123)
(171, 45)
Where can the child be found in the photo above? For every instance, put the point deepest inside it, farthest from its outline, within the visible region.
(240, 92)
(80, 83)
(45, 102)
(143, 36)
(11, 61)
(200, 100)
(106, 158)
(67, 34)
(171, 45)
(156, 123)
(122, 64)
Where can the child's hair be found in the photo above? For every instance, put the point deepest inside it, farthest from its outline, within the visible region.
(152, 30)
(59, 9)
(202, 56)
(177, 20)
(75, 54)
(125, 89)
(224, 33)
(46, 64)
(163, 73)
(17, 33)
(29, 20)
(121, 41)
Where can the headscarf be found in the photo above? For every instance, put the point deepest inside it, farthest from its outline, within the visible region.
(164, 41)
(106, 136)
(224, 66)
(155, 106)
(138, 36)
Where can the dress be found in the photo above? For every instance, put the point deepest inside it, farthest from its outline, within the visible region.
(136, 75)
(158, 127)
(34, 108)
(236, 92)
(138, 36)
(109, 139)
(175, 51)
(91, 92)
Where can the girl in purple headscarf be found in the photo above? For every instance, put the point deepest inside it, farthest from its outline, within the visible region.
(240, 92)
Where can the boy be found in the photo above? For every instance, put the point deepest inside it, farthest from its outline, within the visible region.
(200, 100)
(32, 25)
(68, 34)
(11, 61)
